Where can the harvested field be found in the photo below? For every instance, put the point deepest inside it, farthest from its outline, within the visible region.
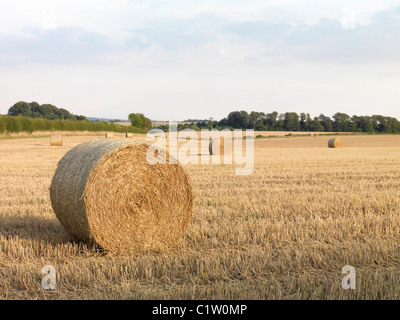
(283, 232)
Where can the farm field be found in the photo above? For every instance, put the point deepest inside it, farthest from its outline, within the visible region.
(283, 232)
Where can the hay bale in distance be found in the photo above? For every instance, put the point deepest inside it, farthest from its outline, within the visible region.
(109, 135)
(129, 135)
(56, 140)
(105, 192)
(213, 147)
(335, 143)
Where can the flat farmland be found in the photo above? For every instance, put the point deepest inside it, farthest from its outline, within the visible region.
(283, 232)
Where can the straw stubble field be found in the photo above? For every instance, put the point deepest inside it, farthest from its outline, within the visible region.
(284, 232)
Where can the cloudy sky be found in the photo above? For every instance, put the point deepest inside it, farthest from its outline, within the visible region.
(180, 59)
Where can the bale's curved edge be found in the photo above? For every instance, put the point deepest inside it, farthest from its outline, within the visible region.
(213, 147)
(69, 182)
(335, 143)
(95, 200)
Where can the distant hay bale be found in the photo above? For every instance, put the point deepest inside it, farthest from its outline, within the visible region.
(215, 147)
(335, 143)
(129, 135)
(109, 135)
(106, 193)
(56, 140)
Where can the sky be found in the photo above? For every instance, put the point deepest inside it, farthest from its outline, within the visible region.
(192, 59)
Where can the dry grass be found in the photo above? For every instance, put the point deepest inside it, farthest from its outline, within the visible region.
(284, 232)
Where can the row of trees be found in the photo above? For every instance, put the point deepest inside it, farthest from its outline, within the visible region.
(46, 111)
(291, 121)
(11, 124)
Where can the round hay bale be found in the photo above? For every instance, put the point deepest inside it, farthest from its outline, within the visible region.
(109, 135)
(56, 140)
(335, 143)
(213, 147)
(129, 135)
(105, 192)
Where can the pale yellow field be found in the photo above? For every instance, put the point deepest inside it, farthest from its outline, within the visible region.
(284, 232)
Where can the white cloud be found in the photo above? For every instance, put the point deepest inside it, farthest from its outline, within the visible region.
(200, 58)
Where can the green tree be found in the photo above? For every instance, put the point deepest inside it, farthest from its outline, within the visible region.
(317, 126)
(342, 122)
(138, 120)
(34, 107)
(303, 118)
(308, 124)
(47, 111)
(362, 124)
(271, 121)
(255, 120)
(281, 122)
(292, 122)
(326, 122)
(20, 108)
(238, 119)
(367, 125)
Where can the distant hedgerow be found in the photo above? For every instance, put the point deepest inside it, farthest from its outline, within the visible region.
(15, 124)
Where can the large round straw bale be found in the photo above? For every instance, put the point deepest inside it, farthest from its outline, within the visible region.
(215, 147)
(335, 143)
(129, 135)
(105, 192)
(56, 140)
(109, 135)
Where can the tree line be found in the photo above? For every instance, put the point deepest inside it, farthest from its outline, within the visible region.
(12, 124)
(46, 111)
(291, 121)
(29, 117)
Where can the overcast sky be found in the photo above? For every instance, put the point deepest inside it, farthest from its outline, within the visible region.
(174, 60)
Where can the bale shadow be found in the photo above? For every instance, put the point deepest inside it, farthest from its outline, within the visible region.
(41, 229)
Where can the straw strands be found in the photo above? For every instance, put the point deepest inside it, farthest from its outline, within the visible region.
(105, 192)
(56, 140)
